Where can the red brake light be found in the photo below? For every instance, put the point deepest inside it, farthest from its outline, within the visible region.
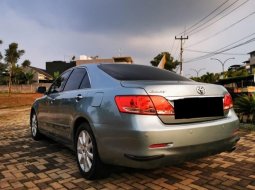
(227, 102)
(163, 145)
(162, 106)
(135, 104)
(148, 105)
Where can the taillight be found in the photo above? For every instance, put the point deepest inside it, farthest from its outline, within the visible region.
(227, 102)
(162, 106)
(135, 104)
(147, 105)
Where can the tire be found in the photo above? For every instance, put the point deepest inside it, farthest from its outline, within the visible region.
(87, 156)
(36, 135)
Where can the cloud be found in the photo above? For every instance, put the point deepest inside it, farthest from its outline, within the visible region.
(55, 30)
(111, 16)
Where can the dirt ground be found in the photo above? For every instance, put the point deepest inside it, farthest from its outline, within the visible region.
(17, 100)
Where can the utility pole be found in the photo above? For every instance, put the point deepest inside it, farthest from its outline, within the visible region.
(181, 38)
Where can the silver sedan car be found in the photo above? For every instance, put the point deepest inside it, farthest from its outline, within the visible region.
(135, 116)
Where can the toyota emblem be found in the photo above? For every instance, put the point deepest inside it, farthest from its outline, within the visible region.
(201, 90)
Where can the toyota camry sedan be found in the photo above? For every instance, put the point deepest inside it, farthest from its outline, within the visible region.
(135, 116)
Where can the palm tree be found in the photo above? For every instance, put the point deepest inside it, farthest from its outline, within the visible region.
(29, 77)
(170, 64)
(1, 57)
(56, 75)
(245, 105)
(26, 63)
(209, 77)
(12, 55)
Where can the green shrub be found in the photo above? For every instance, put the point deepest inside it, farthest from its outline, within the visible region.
(244, 105)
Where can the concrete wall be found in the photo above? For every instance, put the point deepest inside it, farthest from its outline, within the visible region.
(24, 88)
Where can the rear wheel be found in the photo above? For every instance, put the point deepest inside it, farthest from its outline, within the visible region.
(87, 156)
(36, 135)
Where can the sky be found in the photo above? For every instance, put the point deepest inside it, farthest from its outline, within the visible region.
(56, 30)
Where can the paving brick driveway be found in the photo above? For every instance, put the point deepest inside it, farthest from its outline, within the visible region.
(26, 164)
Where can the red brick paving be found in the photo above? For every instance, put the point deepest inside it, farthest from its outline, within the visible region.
(27, 164)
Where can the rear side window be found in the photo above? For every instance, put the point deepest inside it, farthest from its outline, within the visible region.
(75, 79)
(85, 82)
(129, 72)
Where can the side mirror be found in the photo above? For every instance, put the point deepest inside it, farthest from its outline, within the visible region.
(41, 89)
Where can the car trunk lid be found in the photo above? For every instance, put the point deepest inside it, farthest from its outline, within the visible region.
(192, 101)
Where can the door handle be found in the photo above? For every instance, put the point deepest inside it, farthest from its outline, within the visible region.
(52, 100)
(78, 97)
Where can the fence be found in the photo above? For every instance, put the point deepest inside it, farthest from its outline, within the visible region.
(23, 88)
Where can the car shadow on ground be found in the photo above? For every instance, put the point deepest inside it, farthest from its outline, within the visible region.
(50, 146)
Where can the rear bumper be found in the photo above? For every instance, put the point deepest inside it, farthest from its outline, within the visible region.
(179, 155)
(127, 142)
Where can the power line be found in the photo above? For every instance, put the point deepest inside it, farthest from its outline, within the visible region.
(238, 41)
(217, 33)
(175, 52)
(244, 43)
(222, 50)
(197, 51)
(171, 50)
(193, 31)
(217, 51)
(204, 18)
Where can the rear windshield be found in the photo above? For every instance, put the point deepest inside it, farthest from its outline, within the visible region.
(129, 72)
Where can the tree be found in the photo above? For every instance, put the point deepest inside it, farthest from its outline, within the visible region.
(17, 75)
(56, 75)
(1, 57)
(245, 105)
(2, 68)
(26, 63)
(3, 74)
(198, 79)
(29, 77)
(237, 73)
(209, 78)
(170, 65)
(12, 55)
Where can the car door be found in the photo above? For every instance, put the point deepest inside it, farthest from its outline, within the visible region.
(68, 100)
(49, 112)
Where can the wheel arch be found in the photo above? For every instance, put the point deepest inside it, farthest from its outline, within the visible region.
(32, 110)
(78, 121)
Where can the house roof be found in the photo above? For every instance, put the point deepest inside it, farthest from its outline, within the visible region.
(41, 71)
(251, 52)
(125, 59)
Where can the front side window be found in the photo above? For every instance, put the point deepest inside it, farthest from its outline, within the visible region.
(59, 84)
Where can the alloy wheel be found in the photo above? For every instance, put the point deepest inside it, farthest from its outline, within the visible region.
(34, 125)
(85, 150)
